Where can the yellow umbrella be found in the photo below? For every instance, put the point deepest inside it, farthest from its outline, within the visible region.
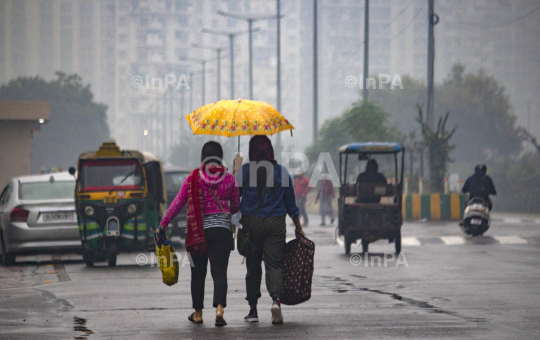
(231, 118)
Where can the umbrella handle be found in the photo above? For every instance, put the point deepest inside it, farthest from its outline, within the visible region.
(238, 144)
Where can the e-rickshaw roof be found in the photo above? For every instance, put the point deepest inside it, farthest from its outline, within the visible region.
(371, 147)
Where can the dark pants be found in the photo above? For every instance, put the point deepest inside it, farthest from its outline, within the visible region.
(301, 202)
(266, 242)
(218, 241)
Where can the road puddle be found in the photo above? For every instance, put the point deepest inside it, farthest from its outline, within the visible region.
(79, 325)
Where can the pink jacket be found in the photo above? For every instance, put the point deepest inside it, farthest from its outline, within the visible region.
(225, 189)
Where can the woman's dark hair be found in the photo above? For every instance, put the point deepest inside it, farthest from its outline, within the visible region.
(261, 150)
(211, 153)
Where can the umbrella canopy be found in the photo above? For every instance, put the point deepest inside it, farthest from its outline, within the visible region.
(231, 118)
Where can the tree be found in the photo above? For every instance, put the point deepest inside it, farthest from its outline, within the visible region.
(76, 123)
(362, 122)
(438, 146)
(478, 103)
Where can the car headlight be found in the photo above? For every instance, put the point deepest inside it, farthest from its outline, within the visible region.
(132, 208)
(89, 210)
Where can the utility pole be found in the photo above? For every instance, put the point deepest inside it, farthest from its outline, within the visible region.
(315, 75)
(231, 36)
(164, 126)
(182, 114)
(278, 93)
(250, 20)
(433, 19)
(203, 81)
(190, 92)
(171, 119)
(218, 51)
(366, 52)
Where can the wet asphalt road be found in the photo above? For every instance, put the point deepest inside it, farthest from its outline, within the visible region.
(443, 286)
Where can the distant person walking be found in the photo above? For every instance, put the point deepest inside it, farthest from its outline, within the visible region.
(264, 207)
(326, 194)
(301, 190)
(208, 237)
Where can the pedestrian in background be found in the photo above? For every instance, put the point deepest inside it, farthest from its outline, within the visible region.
(264, 208)
(301, 190)
(207, 190)
(326, 194)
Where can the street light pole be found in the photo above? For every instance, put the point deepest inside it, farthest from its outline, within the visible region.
(250, 27)
(250, 20)
(190, 92)
(315, 75)
(218, 51)
(366, 52)
(278, 76)
(231, 36)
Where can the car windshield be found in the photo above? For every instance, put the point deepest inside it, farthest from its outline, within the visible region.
(111, 174)
(174, 181)
(47, 190)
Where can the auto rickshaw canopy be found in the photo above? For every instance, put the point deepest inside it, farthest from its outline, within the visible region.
(371, 147)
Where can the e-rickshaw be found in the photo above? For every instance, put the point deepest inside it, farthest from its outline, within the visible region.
(380, 217)
(120, 197)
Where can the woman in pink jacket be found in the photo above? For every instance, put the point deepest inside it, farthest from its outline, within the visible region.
(207, 190)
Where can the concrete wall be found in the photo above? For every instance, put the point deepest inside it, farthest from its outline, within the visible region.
(18, 121)
(15, 149)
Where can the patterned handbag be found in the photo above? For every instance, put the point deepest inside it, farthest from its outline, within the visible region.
(298, 265)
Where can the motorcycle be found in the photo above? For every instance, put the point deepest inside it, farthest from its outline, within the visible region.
(476, 218)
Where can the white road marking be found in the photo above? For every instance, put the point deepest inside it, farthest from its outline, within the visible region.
(453, 240)
(510, 240)
(511, 220)
(410, 241)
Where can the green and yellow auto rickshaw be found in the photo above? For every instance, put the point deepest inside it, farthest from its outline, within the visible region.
(120, 198)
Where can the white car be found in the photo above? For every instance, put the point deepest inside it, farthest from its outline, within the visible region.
(37, 216)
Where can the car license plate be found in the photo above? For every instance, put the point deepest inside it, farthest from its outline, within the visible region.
(58, 216)
(476, 221)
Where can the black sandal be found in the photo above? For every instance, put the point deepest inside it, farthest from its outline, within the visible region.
(221, 321)
(190, 318)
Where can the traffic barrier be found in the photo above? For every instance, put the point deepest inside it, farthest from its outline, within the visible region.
(433, 207)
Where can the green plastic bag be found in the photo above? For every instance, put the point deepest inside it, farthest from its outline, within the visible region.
(167, 260)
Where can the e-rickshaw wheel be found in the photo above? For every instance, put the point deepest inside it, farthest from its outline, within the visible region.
(111, 260)
(398, 242)
(365, 246)
(89, 258)
(347, 242)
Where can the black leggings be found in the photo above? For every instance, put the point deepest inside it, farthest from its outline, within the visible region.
(218, 241)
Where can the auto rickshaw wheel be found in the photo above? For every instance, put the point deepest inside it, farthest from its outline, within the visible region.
(111, 260)
(365, 246)
(89, 258)
(398, 242)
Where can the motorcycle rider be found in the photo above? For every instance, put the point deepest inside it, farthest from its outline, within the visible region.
(480, 185)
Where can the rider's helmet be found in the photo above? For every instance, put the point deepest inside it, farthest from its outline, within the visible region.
(481, 168)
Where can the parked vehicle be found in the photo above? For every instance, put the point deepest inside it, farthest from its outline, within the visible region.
(174, 178)
(37, 216)
(476, 218)
(370, 209)
(120, 199)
